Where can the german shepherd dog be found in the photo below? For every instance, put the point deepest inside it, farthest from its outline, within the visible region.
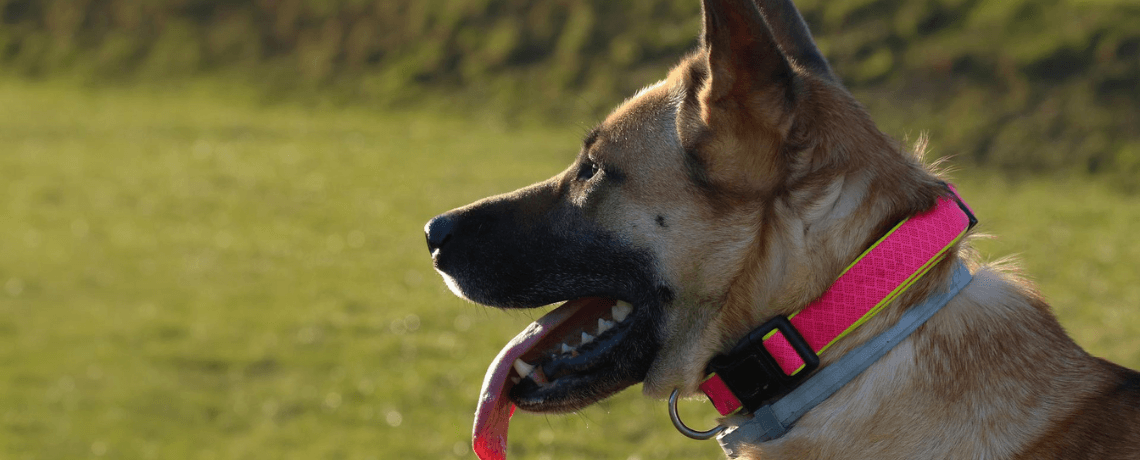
(737, 189)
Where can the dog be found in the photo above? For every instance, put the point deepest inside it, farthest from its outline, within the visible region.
(737, 190)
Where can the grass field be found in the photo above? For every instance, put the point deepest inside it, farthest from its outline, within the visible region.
(187, 274)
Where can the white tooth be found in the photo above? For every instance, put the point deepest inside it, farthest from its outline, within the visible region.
(523, 368)
(604, 325)
(515, 379)
(587, 338)
(621, 310)
(566, 348)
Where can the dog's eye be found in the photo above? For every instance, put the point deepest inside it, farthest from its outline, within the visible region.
(587, 170)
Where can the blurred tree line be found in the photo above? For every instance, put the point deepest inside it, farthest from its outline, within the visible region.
(1038, 85)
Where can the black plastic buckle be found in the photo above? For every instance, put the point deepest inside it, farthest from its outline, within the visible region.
(751, 372)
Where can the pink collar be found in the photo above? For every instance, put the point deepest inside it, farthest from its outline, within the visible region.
(776, 357)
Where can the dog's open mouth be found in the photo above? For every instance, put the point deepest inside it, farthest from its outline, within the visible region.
(569, 351)
(575, 355)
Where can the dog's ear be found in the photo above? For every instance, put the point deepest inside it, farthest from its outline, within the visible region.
(792, 34)
(736, 124)
(743, 55)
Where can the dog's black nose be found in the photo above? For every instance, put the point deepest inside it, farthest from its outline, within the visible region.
(438, 231)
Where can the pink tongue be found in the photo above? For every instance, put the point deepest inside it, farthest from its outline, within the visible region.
(495, 408)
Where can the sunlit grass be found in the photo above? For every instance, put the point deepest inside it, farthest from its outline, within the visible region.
(191, 275)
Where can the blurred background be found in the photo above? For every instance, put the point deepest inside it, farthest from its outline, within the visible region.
(211, 211)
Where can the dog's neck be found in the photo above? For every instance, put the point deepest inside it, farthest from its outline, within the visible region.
(921, 245)
(777, 357)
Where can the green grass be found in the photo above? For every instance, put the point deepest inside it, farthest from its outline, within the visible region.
(191, 275)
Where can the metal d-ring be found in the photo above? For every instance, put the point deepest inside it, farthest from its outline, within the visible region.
(685, 430)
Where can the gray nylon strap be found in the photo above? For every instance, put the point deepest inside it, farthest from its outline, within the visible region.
(771, 421)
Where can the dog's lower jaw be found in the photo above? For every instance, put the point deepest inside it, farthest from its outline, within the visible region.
(586, 390)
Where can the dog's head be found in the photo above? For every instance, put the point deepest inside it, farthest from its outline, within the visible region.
(736, 189)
